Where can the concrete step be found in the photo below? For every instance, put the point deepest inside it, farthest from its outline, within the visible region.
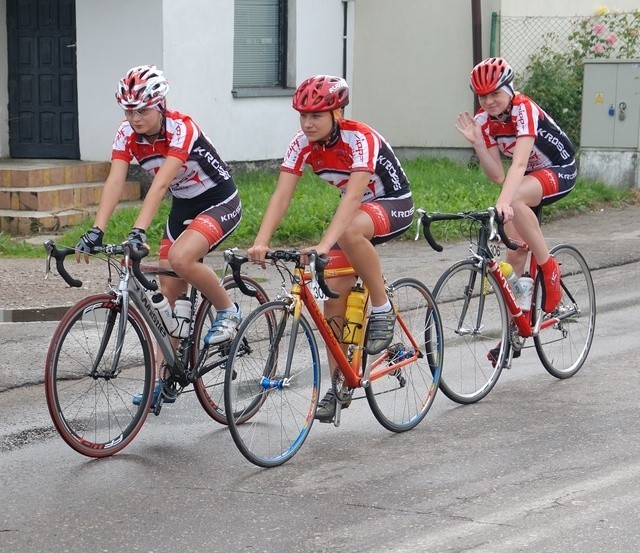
(46, 195)
(28, 223)
(36, 173)
(59, 197)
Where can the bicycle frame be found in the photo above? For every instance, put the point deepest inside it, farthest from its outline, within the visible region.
(350, 368)
(130, 290)
(526, 322)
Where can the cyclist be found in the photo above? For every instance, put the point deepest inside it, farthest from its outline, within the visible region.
(375, 205)
(205, 208)
(542, 170)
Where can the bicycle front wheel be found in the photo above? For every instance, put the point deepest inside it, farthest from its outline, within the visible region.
(272, 379)
(564, 346)
(474, 318)
(209, 387)
(402, 397)
(89, 400)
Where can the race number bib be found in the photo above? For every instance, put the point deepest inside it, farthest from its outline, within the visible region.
(317, 292)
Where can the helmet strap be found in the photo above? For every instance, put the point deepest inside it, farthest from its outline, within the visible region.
(335, 133)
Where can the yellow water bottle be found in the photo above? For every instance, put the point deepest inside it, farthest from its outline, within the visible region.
(354, 316)
(512, 279)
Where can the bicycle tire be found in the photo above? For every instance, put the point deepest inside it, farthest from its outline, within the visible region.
(209, 387)
(280, 413)
(92, 410)
(474, 319)
(402, 398)
(563, 348)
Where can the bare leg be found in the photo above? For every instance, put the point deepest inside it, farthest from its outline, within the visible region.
(184, 258)
(526, 226)
(362, 255)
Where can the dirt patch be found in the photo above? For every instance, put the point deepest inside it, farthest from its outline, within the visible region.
(22, 283)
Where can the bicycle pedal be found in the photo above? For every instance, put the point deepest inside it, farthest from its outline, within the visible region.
(157, 407)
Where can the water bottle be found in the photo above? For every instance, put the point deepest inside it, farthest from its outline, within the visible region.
(182, 313)
(525, 289)
(354, 316)
(166, 314)
(512, 279)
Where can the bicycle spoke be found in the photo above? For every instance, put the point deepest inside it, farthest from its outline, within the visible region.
(90, 402)
(411, 365)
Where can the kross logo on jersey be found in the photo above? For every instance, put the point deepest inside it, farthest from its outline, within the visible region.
(215, 163)
(555, 142)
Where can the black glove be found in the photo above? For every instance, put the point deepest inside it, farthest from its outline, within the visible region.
(90, 240)
(137, 236)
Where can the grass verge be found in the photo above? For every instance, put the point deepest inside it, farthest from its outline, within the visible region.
(438, 184)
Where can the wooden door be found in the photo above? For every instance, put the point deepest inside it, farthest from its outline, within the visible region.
(43, 99)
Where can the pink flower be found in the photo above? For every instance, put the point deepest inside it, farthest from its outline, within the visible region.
(598, 48)
(598, 28)
(612, 39)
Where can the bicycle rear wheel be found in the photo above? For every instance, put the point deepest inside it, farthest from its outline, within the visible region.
(474, 318)
(563, 347)
(279, 410)
(401, 398)
(90, 405)
(209, 388)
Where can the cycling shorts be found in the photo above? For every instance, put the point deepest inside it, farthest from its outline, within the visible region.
(556, 181)
(214, 221)
(391, 217)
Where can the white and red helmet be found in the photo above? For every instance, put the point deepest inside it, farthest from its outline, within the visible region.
(321, 93)
(142, 87)
(490, 75)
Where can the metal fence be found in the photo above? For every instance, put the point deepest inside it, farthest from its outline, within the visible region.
(606, 35)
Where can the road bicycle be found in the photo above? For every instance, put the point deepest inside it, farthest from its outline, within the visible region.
(480, 312)
(103, 352)
(273, 370)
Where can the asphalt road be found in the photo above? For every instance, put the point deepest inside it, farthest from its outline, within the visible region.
(538, 465)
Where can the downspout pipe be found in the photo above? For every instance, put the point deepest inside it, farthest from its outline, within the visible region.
(345, 10)
(476, 34)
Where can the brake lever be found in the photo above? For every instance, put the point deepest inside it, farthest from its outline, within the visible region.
(420, 213)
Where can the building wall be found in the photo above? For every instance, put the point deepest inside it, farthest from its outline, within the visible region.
(193, 43)
(129, 33)
(412, 59)
(411, 80)
(407, 63)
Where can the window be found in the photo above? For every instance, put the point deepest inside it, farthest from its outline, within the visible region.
(259, 47)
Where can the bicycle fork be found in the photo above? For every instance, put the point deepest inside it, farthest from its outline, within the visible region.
(269, 382)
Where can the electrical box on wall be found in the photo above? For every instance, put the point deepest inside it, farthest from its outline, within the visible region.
(611, 104)
(610, 131)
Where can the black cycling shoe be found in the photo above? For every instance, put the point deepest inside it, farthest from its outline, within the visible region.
(493, 355)
(380, 331)
(326, 409)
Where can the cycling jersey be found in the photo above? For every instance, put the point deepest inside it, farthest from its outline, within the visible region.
(355, 147)
(202, 168)
(551, 147)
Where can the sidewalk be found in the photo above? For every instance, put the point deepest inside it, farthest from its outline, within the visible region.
(606, 238)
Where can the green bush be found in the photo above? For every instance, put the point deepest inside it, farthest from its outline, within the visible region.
(557, 87)
(554, 75)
